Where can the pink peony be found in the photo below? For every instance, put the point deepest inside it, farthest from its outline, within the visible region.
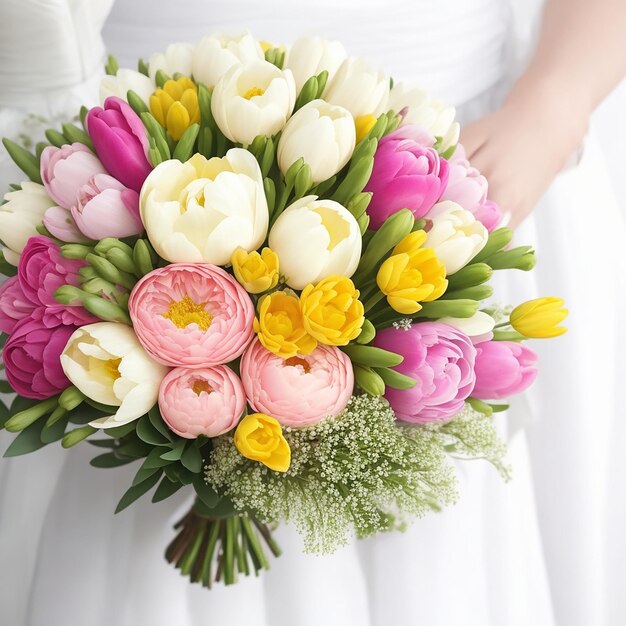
(468, 187)
(121, 141)
(105, 208)
(441, 359)
(14, 305)
(61, 224)
(32, 359)
(65, 170)
(299, 391)
(204, 401)
(408, 173)
(191, 314)
(41, 271)
(503, 368)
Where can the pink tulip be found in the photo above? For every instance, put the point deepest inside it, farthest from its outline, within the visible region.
(41, 271)
(191, 315)
(32, 359)
(205, 401)
(408, 173)
(65, 170)
(105, 208)
(468, 187)
(503, 368)
(121, 141)
(61, 224)
(441, 359)
(299, 391)
(14, 305)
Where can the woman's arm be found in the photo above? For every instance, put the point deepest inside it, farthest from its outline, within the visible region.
(580, 57)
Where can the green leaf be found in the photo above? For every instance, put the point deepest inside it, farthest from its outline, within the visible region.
(103, 443)
(156, 420)
(4, 414)
(110, 459)
(192, 459)
(136, 491)
(27, 162)
(154, 460)
(165, 489)
(53, 433)
(120, 431)
(5, 387)
(27, 441)
(175, 453)
(148, 433)
(205, 492)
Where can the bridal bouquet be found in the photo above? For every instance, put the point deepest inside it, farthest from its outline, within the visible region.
(262, 272)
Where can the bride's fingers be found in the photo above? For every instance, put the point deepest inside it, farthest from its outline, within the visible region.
(473, 138)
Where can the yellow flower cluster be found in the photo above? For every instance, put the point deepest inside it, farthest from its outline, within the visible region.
(175, 106)
(259, 437)
(256, 272)
(412, 274)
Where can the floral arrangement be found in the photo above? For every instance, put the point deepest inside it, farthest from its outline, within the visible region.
(263, 273)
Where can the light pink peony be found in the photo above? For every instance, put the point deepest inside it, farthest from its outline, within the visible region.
(468, 187)
(503, 368)
(441, 359)
(299, 391)
(106, 208)
(204, 401)
(408, 173)
(65, 170)
(61, 224)
(14, 305)
(192, 315)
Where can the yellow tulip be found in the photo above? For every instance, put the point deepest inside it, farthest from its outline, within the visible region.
(540, 318)
(256, 272)
(175, 106)
(259, 437)
(411, 275)
(363, 124)
(280, 326)
(332, 311)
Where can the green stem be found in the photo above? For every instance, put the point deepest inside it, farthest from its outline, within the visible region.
(374, 300)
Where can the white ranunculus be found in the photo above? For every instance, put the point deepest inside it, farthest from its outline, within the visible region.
(359, 87)
(455, 235)
(109, 365)
(253, 99)
(125, 80)
(19, 217)
(311, 55)
(430, 114)
(201, 211)
(177, 59)
(215, 54)
(315, 239)
(476, 326)
(322, 134)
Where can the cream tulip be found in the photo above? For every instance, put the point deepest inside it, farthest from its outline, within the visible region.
(108, 364)
(19, 217)
(125, 80)
(202, 210)
(177, 59)
(253, 99)
(311, 55)
(359, 87)
(315, 239)
(322, 134)
(478, 325)
(216, 54)
(455, 235)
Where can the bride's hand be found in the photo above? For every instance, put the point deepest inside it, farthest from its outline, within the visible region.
(522, 147)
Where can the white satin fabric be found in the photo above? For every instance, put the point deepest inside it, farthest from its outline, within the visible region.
(530, 552)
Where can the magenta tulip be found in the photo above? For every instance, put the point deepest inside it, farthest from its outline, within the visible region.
(121, 142)
(408, 174)
(32, 359)
(503, 368)
(441, 359)
(14, 305)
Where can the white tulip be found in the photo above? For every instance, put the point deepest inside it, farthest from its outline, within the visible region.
(109, 365)
(455, 235)
(315, 239)
(177, 59)
(125, 80)
(19, 217)
(359, 87)
(311, 55)
(322, 134)
(253, 99)
(215, 54)
(422, 110)
(476, 326)
(201, 211)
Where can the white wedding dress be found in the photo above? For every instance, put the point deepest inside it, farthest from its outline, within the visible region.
(529, 552)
